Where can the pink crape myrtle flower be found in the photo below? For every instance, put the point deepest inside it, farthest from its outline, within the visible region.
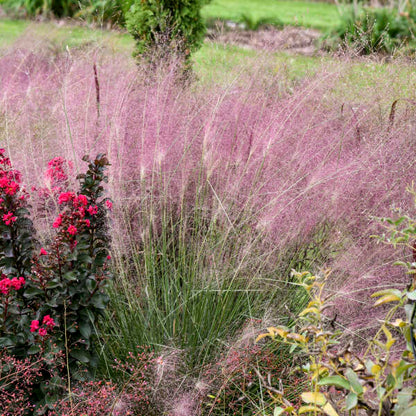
(92, 209)
(34, 326)
(48, 321)
(66, 197)
(9, 218)
(17, 283)
(4, 182)
(72, 230)
(5, 286)
(12, 188)
(57, 223)
(43, 332)
(43, 252)
(81, 212)
(82, 200)
(109, 204)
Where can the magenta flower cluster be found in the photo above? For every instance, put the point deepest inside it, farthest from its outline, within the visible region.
(7, 284)
(48, 324)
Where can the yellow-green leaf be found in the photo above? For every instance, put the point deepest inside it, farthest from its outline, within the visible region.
(297, 337)
(399, 323)
(278, 411)
(309, 408)
(386, 292)
(272, 332)
(337, 381)
(314, 397)
(261, 336)
(313, 310)
(329, 410)
(411, 411)
(280, 331)
(389, 336)
(351, 401)
(354, 381)
(387, 299)
(375, 369)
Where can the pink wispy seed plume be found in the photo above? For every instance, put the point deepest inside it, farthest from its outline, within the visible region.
(280, 165)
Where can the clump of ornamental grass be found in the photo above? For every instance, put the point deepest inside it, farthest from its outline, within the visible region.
(218, 192)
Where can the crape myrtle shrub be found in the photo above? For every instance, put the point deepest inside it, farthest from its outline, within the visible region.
(273, 169)
(51, 294)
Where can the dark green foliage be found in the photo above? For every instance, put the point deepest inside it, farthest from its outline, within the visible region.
(51, 298)
(371, 30)
(104, 11)
(250, 23)
(90, 10)
(172, 27)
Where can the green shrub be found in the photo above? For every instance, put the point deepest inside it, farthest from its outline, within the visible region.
(371, 30)
(172, 27)
(33, 8)
(102, 11)
(90, 10)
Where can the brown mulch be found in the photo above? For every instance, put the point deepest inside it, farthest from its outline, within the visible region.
(291, 39)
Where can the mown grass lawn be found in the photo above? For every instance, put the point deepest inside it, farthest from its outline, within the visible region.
(322, 16)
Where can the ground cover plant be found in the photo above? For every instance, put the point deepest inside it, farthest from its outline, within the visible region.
(218, 187)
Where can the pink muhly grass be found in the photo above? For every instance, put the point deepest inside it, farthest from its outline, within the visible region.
(250, 159)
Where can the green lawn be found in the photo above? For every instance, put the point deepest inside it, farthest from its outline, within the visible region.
(10, 30)
(61, 36)
(322, 16)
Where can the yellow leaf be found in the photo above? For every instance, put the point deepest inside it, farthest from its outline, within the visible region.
(282, 332)
(375, 369)
(272, 333)
(310, 310)
(261, 336)
(297, 337)
(318, 373)
(399, 323)
(385, 292)
(315, 302)
(329, 410)
(358, 367)
(309, 408)
(314, 397)
(386, 299)
(390, 339)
